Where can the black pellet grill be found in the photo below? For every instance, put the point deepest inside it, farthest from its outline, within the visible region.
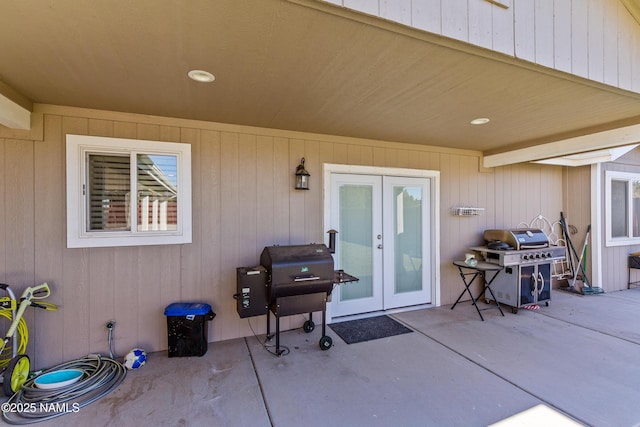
(290, 280)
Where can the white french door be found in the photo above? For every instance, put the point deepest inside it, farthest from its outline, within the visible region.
(383, 225)
(406, 224)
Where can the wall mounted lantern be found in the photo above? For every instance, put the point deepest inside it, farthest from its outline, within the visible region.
(302, 177)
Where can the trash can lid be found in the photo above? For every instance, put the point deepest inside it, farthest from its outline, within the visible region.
(187, 308)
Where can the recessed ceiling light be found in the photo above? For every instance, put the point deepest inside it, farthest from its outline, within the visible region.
(480, 121)
(201, 76)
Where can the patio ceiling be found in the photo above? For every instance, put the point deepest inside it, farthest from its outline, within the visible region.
(281, 64)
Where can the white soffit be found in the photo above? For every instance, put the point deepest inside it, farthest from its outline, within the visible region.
(624, 136)
(590, 157)
(13, 115)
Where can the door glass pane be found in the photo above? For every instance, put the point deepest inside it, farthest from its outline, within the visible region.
(109, 192)
(407, 223)
(157, 192)
(355, 240)
(619, 210)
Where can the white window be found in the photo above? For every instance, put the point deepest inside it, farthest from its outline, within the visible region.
(127, 192)
(622, 208)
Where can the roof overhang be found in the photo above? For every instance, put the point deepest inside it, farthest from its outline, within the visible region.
(15, 108)
(590, 157)
(13, 115)
(301, 65)
(581, 147)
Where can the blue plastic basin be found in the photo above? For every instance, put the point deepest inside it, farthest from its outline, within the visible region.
(57, 379)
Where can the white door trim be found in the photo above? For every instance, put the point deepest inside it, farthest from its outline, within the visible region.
(329, 168)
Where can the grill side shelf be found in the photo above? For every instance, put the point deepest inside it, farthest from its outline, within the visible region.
(341, 277)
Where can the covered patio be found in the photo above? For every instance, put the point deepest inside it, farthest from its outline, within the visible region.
(578, 358)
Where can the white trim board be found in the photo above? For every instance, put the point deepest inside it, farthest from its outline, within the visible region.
(580, 144)
(13, 115)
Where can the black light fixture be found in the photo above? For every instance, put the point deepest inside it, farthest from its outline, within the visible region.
(302, 177)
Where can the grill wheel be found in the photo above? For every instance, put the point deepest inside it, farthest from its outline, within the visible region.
(326, 342)
(308, 326)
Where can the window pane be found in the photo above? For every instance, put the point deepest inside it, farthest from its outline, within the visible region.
(408, 238)
(157, 192)
(356, 239)
(109, 192)
(619, 209)
(635, 208)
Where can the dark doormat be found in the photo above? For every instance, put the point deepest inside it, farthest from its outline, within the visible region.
(373, 328)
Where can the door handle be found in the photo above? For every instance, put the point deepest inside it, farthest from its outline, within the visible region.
(534, 284)
(541, 282)
(379, 246)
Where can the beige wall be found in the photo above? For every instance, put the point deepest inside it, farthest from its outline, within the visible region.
(243, 200)
(577, 206)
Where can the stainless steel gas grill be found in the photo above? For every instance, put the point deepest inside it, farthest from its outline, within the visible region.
(299, 279)
(526, 255)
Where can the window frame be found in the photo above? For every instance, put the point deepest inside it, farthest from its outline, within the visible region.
(629, 177)
(78, 235)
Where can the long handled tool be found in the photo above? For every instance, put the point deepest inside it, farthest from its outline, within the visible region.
(574, 252)
(568, 244)
(587, 289)
(585, 280)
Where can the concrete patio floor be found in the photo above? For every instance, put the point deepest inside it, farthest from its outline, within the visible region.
(579, 357)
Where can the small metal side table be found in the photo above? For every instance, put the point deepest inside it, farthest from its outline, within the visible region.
(481, 269)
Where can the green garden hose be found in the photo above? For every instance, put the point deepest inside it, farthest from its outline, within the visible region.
(100, 376)
(23, 339)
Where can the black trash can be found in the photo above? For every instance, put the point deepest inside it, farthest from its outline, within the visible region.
(187, 328)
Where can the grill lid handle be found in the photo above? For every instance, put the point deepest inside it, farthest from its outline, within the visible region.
(534, 246)
(305, 278)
